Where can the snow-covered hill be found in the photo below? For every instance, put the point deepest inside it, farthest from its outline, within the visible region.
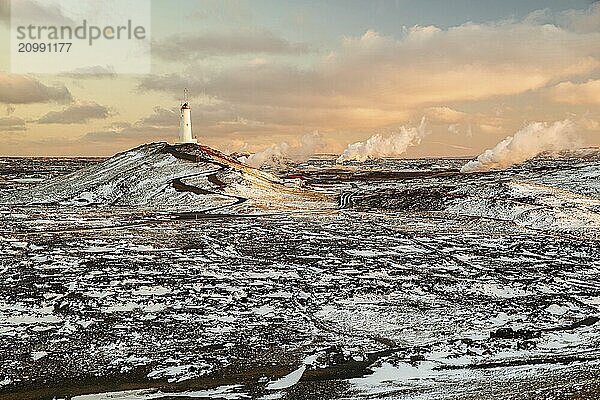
(531, 205)
(551, 193)
(160, 176)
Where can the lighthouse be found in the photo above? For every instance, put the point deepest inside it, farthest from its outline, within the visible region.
(185, 121)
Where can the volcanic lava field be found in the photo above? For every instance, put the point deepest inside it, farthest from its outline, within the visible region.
(169, 272)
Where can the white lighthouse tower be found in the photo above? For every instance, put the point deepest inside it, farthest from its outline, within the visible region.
(185, 121)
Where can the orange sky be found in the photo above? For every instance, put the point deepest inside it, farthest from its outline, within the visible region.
(254, 83)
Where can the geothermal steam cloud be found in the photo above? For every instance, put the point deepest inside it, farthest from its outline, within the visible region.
(278, 153)
(527, 143)
(378, 146)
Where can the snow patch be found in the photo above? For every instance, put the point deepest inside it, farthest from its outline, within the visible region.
(557, 310)
(287, 381)
(222, 392)
(36, 355)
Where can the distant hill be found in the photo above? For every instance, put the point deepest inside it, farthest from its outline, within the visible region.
(181, 178)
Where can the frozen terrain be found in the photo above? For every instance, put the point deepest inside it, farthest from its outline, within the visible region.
(173, 178)
(146, 276)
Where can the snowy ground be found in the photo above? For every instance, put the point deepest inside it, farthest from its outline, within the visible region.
(421, 286)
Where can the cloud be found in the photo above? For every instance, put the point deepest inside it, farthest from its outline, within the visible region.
(76, 113)
(445, 115)
(237, 12)
(161, 117)
(24, 89)
(93, 72)
(242, 122)
(462, 122)
(12, 124)
(276, 95)
(581, 21)
(39, 12)
(133, 134)
(197, 46)
(162, 124)
(576, 93)
(466, 62)
(5, 12)
(375, 81)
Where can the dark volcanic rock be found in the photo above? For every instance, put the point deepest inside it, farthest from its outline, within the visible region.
(418, 199)
(510, 333)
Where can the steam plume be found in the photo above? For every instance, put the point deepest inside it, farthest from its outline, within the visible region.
(378, 146)
(278, 153)
(527, 143)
